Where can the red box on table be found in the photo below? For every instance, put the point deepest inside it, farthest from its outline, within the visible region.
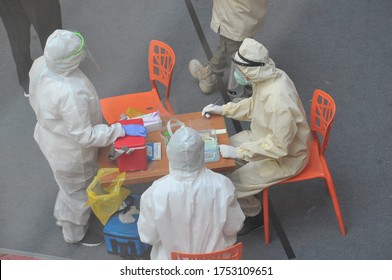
(136, 157)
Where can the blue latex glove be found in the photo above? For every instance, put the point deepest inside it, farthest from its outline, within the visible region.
(135, 130)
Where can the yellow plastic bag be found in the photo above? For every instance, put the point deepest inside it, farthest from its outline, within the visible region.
(133, 112)
(105, 201)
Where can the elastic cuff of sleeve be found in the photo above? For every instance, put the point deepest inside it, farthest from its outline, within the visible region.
(240, 153)
(118, 127)
(225, 109)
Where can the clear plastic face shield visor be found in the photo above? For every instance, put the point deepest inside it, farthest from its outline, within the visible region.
(83, 48)
(237, 79)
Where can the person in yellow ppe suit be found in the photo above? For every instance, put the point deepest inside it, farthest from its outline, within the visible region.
(192, 209)
(233, 20)
(277, 145)
(69, 129)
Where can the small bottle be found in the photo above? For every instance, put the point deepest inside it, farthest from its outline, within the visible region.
(167, 137)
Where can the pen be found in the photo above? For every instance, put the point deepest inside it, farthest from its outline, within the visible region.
(216, 102)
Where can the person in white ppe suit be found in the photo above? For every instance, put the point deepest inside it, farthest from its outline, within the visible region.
(277, 145)
(192, 209)
(68, 129)
(233, 21)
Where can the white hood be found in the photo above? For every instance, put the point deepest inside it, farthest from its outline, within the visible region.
(59, 50)
(192, 209)
(185, 152)
(254, 51)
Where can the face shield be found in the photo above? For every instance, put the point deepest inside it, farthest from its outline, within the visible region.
(237, 79)
(84, 52)
(65, 50)
(80, 48)
(88, 57)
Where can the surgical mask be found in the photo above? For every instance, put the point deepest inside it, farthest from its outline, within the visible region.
(241, 61)
(234, 88)
(240, 78)
(237, 79)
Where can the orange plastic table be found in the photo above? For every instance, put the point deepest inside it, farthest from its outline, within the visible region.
(159, 168)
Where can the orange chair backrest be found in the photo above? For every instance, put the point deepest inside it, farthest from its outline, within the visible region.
(322, 114)
(232, 253)
(161, 61)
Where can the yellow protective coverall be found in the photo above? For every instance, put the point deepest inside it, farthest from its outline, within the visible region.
(277, 145)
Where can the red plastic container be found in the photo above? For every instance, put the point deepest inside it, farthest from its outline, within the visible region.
(136, 158)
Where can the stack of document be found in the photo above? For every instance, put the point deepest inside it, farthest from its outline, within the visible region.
(152, 121)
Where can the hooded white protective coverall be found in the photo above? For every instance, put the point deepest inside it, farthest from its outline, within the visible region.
(193, 209)
(68, 129)
(277, 145)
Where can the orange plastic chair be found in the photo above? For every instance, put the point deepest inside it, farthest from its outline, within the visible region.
(161, 61)
(232, 253)
(321, 117)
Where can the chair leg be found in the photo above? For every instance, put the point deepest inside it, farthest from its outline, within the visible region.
(331, 188)
(169, 107)
(266, 216)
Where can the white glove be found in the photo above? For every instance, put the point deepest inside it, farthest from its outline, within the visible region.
(212, 109)
(228, 151)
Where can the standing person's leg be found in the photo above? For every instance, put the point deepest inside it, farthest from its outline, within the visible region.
(70, 210)
(17, 25)
(222, 56)
(207, 75)
(45, 15)
(71, 213)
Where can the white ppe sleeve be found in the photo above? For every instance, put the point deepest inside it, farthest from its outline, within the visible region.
(235, 216)
(78, 124)
(241, 111)
(146, 224)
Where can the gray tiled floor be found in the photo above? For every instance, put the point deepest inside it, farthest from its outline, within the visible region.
(342, 47)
